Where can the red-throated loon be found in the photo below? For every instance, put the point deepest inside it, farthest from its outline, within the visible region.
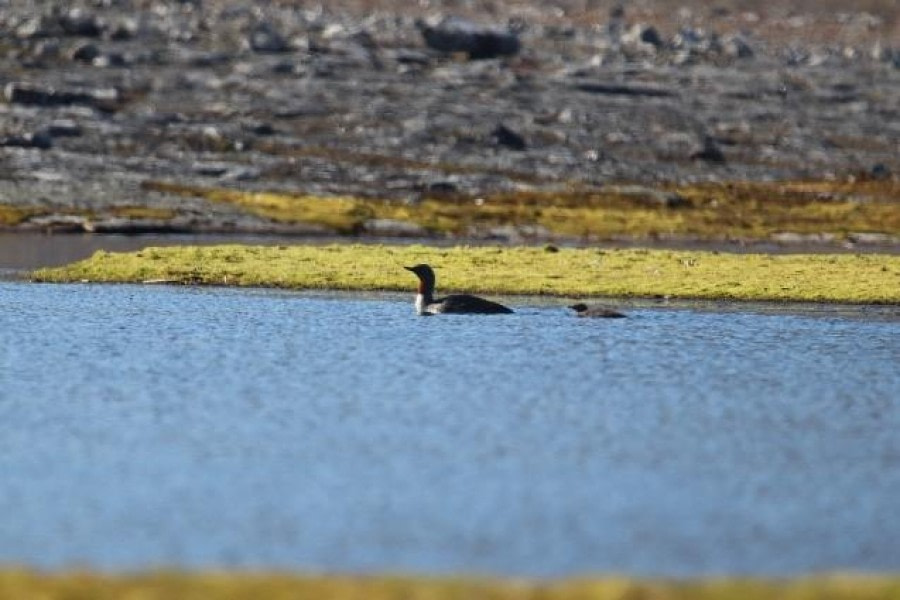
(602, 312)
(427, 304)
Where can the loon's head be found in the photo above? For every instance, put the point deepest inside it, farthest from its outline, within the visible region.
(580, 307)
(426, 277)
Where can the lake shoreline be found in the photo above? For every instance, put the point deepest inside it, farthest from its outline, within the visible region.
(237, 584)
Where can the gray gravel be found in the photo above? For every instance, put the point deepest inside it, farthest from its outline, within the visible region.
(459, 97)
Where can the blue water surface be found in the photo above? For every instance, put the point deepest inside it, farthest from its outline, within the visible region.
(143, 427)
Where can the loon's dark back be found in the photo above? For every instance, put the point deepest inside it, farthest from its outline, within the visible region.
(464, 303)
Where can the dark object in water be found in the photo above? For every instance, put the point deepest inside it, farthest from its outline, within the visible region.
(426, 304)
(599, 312)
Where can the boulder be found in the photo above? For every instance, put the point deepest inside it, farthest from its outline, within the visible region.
(506, 137)
(454, 34)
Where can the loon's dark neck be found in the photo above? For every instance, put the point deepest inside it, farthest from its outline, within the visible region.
(427, 292)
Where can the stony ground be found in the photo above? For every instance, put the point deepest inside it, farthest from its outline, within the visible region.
(379, 99)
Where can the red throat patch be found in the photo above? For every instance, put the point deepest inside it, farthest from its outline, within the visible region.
(421, 287)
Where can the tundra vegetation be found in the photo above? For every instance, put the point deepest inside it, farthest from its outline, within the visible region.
(233, 586)
(548, 270)
(743, 211)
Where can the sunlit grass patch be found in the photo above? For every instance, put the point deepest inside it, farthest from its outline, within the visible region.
(859, 278)
(10, 216)
(705, 211)
(142, 212)
(17, 584)
(13, 215)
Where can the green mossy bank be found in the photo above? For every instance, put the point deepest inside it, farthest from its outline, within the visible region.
(567, 272)
(17, 584)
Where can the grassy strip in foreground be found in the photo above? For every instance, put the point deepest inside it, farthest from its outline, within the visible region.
(26, 584)
(517, 270)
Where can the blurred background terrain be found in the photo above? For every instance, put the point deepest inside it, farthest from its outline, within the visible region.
(108, 105)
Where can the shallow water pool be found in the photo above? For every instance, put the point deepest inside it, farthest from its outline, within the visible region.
(164, 426)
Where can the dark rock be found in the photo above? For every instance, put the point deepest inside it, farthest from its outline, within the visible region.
(710, 152)
(615, 89)
(649, 35)
(454, 34)
(86, 53)
(880, 172)
(286, 68)
(266, 39)
(124, 30)
(440, 189)
(506, 137)
(78, 23)
(596, 311)
(262, 129)
(210, 169)
(207, 59)
(18, 93)
(39, 139)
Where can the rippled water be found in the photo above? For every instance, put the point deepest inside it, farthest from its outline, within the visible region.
(148, 426)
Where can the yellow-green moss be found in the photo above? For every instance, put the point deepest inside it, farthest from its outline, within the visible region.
(143, 212)
(568, 272)
(707, 211)
(11, 216)
(17, 584)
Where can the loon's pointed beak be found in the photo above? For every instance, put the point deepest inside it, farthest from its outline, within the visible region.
(410, 269)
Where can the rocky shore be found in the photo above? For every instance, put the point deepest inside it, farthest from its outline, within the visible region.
(444, 99)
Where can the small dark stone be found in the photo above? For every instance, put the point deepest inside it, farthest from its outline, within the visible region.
(39, 139)
(266, 39)
(596, 311)
(649, 35)
(440, 189)
(506, 137)
(710, 152)
(615, 89)
(18, 93)
(880, 172)
(86, 53)
(262, 129)
(208, 59)
(124, 30)
(551, 248)
(284, 68)
(78, 23)
(454, 34)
